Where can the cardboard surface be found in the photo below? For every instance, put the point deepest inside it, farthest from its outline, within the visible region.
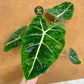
(17, 13)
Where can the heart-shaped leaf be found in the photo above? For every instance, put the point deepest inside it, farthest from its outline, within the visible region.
(73, 57)
(63, 11)
(41, 46)
(15, 39)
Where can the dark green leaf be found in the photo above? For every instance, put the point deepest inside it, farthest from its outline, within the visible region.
(41, 46)
(73, 56)
(63, 11)
(15, 39)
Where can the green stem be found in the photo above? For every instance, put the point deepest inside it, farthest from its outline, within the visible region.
(63, 54)
(55, 21)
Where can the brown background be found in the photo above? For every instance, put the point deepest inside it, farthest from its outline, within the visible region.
(17, 13)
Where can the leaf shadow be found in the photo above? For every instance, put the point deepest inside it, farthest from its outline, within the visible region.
(50, 18)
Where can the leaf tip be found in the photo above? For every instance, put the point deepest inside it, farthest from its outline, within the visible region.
(26, 80)
(79, 62)
(70, 48)
(4, 48)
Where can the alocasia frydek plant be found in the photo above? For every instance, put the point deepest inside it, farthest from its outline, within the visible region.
(41, 44)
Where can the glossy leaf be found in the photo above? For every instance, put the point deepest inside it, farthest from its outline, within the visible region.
(73, 56)
(63, 11)
(15, 39)
(41, 46)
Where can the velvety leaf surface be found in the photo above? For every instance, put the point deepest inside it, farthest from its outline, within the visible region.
(41, 46)
(15, 39)
(73, 56)
(63, 11)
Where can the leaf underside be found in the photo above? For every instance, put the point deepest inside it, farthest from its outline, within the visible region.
(15, 39)
(41, 46)
(73, 57)
(63, 11)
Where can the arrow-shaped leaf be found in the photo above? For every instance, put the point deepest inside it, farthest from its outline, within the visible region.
(15, 39)
(73, 57)
(63, 11)
(41, 46)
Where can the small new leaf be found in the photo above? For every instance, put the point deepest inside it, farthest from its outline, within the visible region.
(73, 56)
(63, 11)
(15, 39)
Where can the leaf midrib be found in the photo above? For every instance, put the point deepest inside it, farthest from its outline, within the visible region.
(37, 52)
(19, 38)
(64, 11)
(73, 59)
